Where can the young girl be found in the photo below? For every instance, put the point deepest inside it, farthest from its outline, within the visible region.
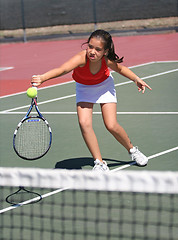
(95, 84)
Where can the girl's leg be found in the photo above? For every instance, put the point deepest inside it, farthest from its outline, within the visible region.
(84, 111)
(110, 121)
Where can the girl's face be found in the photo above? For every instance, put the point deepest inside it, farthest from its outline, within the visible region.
(95, 49)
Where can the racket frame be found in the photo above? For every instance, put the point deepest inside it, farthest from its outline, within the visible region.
(28, 116)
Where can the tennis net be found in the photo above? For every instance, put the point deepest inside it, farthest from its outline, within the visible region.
(87, 205)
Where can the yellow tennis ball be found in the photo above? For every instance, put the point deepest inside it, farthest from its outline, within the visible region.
(32, 92)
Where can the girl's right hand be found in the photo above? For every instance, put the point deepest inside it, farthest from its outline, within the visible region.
(36, 80)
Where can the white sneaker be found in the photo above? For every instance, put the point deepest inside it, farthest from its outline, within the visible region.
(100, 166)
(138, 157)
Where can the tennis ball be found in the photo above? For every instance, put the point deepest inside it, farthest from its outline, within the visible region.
(32, 92)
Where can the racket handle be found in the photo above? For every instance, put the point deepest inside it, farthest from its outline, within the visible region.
(34, 86)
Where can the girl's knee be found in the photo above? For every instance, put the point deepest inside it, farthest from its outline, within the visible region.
(85, 124)
(112, 126)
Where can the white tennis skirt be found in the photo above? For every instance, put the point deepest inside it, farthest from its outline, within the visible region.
(103, 92)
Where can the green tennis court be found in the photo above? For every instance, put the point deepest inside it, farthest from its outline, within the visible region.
(149, 119)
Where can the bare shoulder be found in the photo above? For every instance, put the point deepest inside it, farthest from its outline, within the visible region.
(80, 55)
(74, 62)
(82, 58)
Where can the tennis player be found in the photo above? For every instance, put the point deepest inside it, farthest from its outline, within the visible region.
(95, 84)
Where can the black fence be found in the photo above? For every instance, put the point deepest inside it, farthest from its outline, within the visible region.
(15, 14)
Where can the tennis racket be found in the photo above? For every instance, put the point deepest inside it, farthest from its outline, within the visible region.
(32, 137)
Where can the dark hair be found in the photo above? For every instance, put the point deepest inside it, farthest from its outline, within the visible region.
(108, 44)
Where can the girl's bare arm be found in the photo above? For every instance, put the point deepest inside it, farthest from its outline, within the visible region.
(75, 61)
(126, 72)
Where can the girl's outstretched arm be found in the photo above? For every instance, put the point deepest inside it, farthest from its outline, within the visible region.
(126, 72)
(75, 61)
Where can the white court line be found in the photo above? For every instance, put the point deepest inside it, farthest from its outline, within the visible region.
(150, 157)
(40, 103)
(73, 95)
(32, 200)
(72, 81)
(41, 88)
(5, 68)
(96, 113)
(169, 61)
(160, 74)
(59, 84)
(63, 189)
(148, 63)
(151, 76)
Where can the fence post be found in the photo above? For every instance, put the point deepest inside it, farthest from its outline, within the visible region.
(94, 15)
(23, 21)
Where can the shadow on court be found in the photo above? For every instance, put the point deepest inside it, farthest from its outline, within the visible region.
(78, 163)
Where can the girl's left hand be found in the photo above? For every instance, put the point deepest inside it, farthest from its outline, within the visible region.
(141, 85)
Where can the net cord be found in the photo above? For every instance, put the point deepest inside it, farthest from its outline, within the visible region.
(124, 181)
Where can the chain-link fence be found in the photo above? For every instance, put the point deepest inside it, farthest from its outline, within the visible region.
(16, 14)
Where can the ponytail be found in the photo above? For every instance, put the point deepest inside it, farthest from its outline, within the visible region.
(112, 55)
(108, 44)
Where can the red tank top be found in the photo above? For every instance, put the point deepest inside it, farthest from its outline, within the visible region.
(84, 76)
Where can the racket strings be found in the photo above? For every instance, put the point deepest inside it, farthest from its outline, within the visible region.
(33, 138)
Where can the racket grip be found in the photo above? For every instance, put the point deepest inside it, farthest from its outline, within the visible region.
(34, 84)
